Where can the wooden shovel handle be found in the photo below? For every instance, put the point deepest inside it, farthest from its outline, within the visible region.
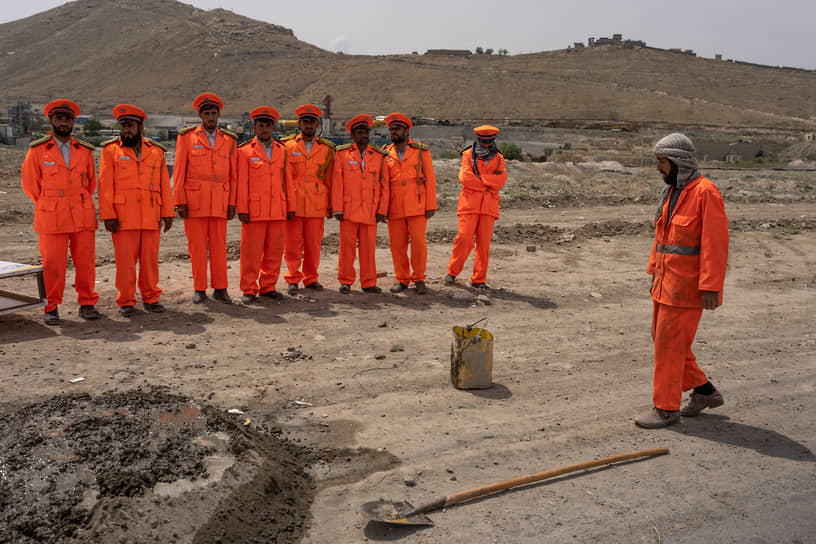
(462, 496)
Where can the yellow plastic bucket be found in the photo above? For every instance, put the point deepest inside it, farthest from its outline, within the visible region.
(472, 358)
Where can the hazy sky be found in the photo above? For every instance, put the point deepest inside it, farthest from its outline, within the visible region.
(780, 32)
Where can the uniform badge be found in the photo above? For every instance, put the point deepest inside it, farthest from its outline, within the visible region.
(49, 163)
(255, 159)
(198, 147)
(123, 158)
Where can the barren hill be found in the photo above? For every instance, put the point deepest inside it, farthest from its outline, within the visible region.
(161, 53)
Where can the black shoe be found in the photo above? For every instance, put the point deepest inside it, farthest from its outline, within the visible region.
(421, 288)
(127, 311)
(292, 289)
(345, 289)
(449, 280)
(88, 311)
(248, 298)
(373, 289)
(199, 297)
(154, 307)
(479, 286)
(398, 287)
(222, 296)
(52, 317)
(272, 294)
(315, 285)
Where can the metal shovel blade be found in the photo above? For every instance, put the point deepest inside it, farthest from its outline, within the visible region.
(393, 512)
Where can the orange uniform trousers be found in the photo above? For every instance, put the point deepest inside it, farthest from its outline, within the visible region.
(478, 229)
(399, 232)
(304, 236)
(262, 244)
(352, 233)
(676, 369)
(207, 235)
(129, 247)
(54, 252)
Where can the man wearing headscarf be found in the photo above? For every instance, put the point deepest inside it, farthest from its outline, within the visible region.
(482, 174)
(687, 265)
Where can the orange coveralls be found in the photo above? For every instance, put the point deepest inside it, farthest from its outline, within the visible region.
(689, 255)
(137, 193)
(478, 209)
(312, 173)
(204, 178)
(360, 196)
(412, 193)
(64, 215)
(266, 192)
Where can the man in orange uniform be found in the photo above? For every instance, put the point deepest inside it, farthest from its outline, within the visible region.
(687, 264)
(58, 175)
(134, 201)
(204, 184)
(311, 160)
(412, 203)
(266, 199)
(359, 202)
(482, 174)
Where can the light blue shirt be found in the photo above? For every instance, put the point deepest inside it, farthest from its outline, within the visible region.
(65, 149)
(268, 149)
(211, 137)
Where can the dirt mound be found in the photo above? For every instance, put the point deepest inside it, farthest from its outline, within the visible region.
(75, 467)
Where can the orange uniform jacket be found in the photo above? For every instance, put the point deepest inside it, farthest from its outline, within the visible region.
(360, 196)
(137, 193)
(480, 195)
(63, 195)
(690, 251)
(312, 173)
(205, 178)
(413, 183)
(265, 187)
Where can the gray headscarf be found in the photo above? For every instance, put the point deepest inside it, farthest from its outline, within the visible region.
(677, 148)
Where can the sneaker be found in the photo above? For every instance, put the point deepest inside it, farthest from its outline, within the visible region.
(88, 311)
(52, 317)
(222, 296)
(657, 418)
(421, 288)
(154, 307)
(345, 289)
(272, 294)
(292, 289)
(398, 287)
(315, 285)
(697, 403)
(373, 289)
(199, 297)
(127, 311)
(481, 285)
(248, 298)
(449, 280)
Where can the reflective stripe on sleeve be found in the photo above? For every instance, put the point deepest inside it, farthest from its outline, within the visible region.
(678, 250)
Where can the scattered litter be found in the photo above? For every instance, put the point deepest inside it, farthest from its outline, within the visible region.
(247, 422)
(397, 347)
(301, 403)
(595, 294)
(77, 380)
(379, 357)
(235, 411)
(531, 249)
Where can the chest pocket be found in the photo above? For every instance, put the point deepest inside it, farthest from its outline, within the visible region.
(685, 230)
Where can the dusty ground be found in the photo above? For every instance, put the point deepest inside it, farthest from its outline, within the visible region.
(572, 365)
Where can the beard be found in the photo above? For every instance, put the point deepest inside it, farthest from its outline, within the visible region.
(398, 140)
(130, 141)
(62, 132)
(671, 177)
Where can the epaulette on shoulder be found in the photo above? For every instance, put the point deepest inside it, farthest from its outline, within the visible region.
(83, 143)
(39, 141)
(324, 141)
(465, 148)
(157, 144)
(343, 147)
(379, 150)
(185, 130)
(108, 142)
(419, 145)
(287, 138)
(242, 144)
(230, 134)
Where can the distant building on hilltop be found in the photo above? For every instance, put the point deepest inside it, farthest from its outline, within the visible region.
(450, 52)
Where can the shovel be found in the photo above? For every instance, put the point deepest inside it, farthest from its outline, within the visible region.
(403, 513)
